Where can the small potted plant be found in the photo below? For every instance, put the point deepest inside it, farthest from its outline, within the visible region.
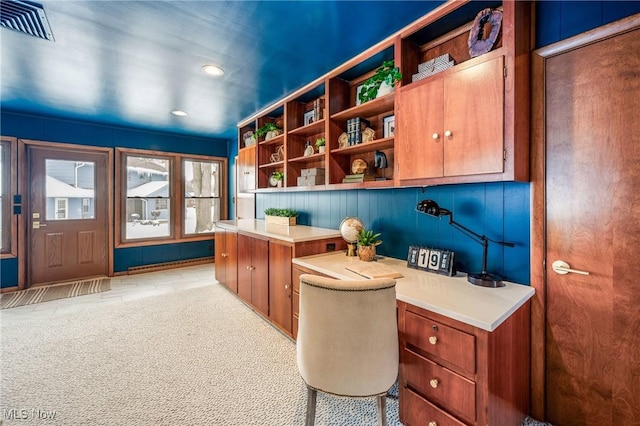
(269, 131)
(367, 243)
(320, 144)
(382, 82)
(276, 178)
(276, 216)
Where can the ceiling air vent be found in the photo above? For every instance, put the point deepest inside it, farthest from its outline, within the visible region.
(25, 16)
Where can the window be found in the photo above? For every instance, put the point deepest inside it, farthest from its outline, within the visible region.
(61, 207)
(165, 197)
(201, 195)
(8, 188)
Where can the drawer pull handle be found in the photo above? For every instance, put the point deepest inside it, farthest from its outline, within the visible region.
(433, 340)
(432, 423)
(434, 383)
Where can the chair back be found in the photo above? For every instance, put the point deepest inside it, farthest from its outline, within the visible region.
(347, 342)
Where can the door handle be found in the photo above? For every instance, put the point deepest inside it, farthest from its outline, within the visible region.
(37, 224)
(561, 267)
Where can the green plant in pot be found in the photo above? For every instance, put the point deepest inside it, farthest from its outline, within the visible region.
(269, 129)
(368, 240)
(280, 217)
(276, 178)
(320, 142)
(387, 73)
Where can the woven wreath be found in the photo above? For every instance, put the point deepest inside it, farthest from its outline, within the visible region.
(478, 45)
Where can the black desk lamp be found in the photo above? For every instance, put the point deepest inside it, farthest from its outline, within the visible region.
(483, 279)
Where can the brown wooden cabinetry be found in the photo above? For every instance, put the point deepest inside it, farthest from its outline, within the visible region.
(253, 272)
(468, 123)
(452, 373)
(226, 258)
(280, 290)
(452, 125)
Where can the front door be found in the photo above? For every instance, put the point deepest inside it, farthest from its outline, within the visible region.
(593, 225)
(68, 214)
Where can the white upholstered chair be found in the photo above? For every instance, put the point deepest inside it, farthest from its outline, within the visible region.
(347, 341)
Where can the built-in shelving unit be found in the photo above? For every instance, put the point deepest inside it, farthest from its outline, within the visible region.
(467, 123)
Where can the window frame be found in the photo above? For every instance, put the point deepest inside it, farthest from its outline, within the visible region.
(221, 193)
(9, 190)
(176, 198)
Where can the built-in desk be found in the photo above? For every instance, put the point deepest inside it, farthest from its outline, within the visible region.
(464, 349)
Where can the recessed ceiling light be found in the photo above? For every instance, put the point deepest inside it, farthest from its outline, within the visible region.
(213, 70)
(179, 113)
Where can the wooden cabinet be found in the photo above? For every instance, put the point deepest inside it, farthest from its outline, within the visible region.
(226, 258)
(247, 169)
(452, 124)
(452, 373)
(253, 272)
(280, 290)
(468, 123)
(297, 271)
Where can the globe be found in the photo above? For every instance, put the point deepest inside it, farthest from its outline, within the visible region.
(350, 227)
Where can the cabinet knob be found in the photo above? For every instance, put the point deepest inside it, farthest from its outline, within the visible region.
(432, 423)
(435, 136)
(223, 254)
(248, 268)
(448, 133)
(286, 286)
(434, 383)
(433, 340)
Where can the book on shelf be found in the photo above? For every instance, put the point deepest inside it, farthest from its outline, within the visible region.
(355, 127)
(358, 178)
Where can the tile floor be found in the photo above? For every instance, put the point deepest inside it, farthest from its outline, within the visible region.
(123, 289)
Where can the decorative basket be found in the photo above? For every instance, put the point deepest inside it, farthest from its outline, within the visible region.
(367, 253)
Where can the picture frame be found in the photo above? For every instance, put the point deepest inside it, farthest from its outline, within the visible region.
(309, 117)
(389, 126)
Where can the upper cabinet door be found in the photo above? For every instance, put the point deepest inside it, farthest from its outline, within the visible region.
(419, 138)
(474, 120)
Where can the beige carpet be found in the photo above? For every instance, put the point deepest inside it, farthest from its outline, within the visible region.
(53, 292)
(189, 357)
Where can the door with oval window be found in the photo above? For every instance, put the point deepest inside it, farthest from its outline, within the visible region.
(67, 222)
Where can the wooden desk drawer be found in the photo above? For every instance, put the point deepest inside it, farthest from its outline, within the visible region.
(444, 342)
(440, 385)
(417, 411)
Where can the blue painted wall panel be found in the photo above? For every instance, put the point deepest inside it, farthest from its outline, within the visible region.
(126, 258)
(499, 210)
(557, 20)
(9, 272)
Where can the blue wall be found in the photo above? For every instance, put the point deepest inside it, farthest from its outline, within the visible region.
(499, 210)
(76, 132)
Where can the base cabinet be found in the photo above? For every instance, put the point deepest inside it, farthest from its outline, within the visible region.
(452, 373)
(280, 290)
(226, 258)
(253, 272)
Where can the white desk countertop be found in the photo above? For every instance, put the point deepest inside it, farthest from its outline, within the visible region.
(453, 297)
(292, 234)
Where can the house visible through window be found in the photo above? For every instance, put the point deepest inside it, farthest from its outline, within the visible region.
(166, 197)
(70, 189)
(201, 195)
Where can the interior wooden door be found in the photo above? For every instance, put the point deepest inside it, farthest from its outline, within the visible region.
(68, 214)
(592, 115)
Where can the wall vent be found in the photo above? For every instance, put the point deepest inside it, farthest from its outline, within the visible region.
(25, 16)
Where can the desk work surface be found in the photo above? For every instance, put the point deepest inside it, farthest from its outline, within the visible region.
(292, 234)
(453, 297)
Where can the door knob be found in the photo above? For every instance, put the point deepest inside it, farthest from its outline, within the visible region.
(561, 267)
